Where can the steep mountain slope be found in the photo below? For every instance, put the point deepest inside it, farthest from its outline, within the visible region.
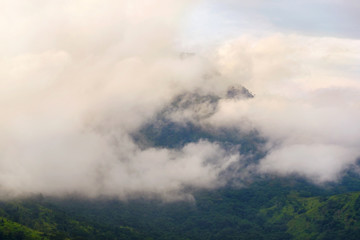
(335, 217)
(35, 219)
(248, 206)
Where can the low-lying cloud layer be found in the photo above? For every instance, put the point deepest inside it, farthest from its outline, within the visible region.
(78, 78)
(306, 104)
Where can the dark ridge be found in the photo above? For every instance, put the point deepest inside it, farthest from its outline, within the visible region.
(165, 132)
(238, 92)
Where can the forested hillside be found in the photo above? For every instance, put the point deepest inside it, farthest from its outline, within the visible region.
(273, 209)
(179, 119)
(248, 206)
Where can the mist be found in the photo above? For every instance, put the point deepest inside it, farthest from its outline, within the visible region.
(306, 103)
(78, 78)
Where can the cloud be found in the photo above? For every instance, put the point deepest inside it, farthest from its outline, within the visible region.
(306, 103)
(318, 162)
(78, 78)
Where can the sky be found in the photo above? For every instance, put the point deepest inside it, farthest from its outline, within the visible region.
(78, 78)
(218, 20)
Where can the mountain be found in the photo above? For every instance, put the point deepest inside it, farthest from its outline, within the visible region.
(253, 207)
(270, 209)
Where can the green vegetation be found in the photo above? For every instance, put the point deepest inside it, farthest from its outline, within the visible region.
(37, 219)
(269, 209)
(335, 217)
(12, 230)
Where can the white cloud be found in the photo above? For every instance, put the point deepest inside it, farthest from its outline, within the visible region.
(307, 101)
(78, 77)
(320, 163)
